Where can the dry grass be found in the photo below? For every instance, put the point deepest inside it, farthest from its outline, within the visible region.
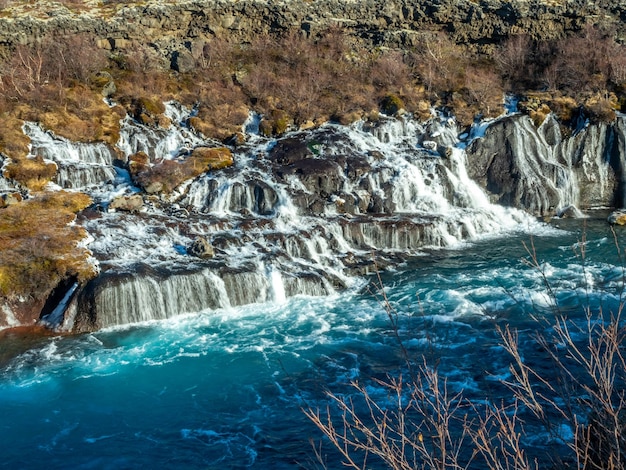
(13, 141)
(36, 256)
(33, 173)
(166, 175)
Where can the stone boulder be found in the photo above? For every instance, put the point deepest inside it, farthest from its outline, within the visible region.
(291, 150)
(201, 248)
(617, 218)
(132, 203)
(183, 61)
(569, 212)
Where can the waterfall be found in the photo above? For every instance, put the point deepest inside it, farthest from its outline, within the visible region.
(278, 286)
(135, 298)
(159, 143)
(542, 171)
(80, 165)
(298, 215)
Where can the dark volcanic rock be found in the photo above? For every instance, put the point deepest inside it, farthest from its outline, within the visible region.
(323, 177)
(291, 150)
(183, 27)
(201, 248)
(540, 170)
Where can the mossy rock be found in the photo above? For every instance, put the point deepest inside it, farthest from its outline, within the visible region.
(32, 173)
(266, 128)
(13, 142)
(210, 158)
(150, 106)
(137, 163)
(565, 108)
(36, 256)
(601, 109)
(540, 114)
(167, 175)
(145, 110)
(391, 104)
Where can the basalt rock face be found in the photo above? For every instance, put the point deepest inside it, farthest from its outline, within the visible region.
(541, 171)
(176, 26)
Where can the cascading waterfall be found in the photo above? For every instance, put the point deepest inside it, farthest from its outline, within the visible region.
(80, 165)
(308, 213)
(301, 214)
(542, 171)
(159, 143)
(295, 216)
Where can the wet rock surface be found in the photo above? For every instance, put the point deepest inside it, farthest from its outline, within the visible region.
(538, 170)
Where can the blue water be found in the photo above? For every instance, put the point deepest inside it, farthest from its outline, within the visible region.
(226, 389)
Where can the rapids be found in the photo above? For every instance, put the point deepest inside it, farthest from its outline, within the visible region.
(226, 387)
(176, 361)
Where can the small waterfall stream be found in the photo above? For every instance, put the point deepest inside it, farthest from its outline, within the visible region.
(80, 165)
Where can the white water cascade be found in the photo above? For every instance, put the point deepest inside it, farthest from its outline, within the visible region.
(544, 171)
(304, 214)
(80, 165)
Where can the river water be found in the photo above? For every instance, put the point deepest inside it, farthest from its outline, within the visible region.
(226, 388)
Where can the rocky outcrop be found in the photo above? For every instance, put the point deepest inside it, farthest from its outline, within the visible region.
(133, 203)
(178, 28)
(539, 170)
(201, 248)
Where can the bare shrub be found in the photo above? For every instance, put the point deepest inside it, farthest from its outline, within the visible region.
(617, 65)
(440, 64)
(141, 58)
(513, 58)
(484, 91)
(581, 63)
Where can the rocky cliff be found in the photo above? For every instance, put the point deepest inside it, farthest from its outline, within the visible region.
(542, 171)
(396, 23)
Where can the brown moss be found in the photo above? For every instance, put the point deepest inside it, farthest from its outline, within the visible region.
(138, 163)
(32, 173)
(36, 256)
(564, 107)
(600, 109)
(220, 121)
(82, 116)
(540, 114)
(205, 159)
(168, 174)
(13, 142)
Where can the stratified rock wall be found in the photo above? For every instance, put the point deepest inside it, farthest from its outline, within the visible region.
(539, 170)
(170, 25)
